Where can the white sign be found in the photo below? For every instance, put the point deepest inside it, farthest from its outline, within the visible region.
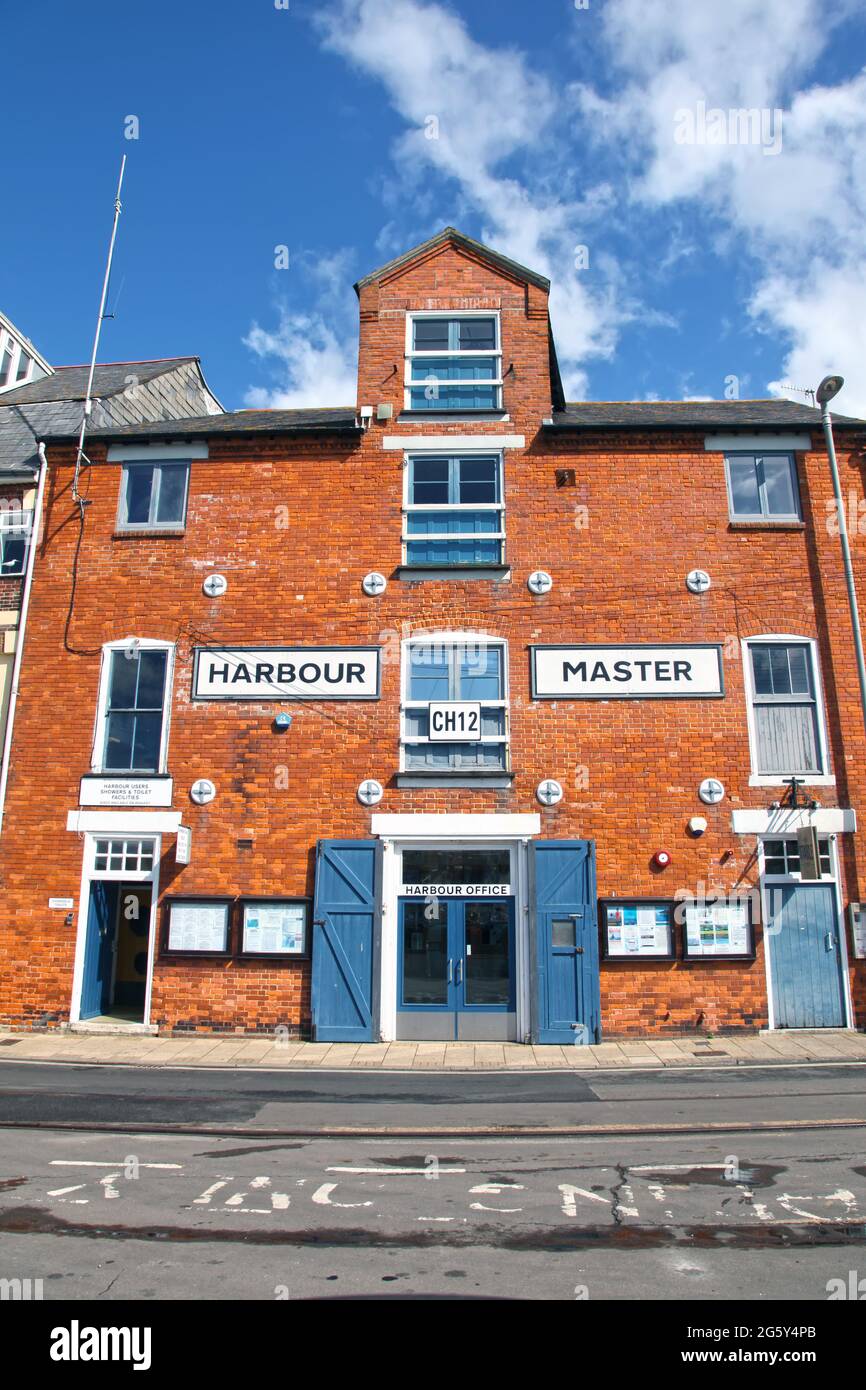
(197, 926)
(718, 929)
(274, 928)
(183, 848)
(60, 904)
(286, 673)
(456, 890)
(125, 791)
(599, 672)
(454, 721)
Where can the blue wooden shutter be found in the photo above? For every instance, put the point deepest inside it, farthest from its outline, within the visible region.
(566, 1006)
(345, 940)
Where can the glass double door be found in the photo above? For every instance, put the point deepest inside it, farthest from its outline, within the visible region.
(456, 969)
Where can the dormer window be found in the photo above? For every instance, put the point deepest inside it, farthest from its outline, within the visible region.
(453, 362)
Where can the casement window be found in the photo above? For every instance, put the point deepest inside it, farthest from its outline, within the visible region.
(453, 513)
(468, 669)
(131, 731)
(453, 362)
(153, 495)
(786, 721)
(15, 529)
(762, 487)
(6, 363)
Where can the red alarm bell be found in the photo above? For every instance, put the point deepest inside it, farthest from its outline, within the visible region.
(661, 858)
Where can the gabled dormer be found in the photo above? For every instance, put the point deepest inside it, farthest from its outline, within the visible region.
(20, 362)
(453, 330)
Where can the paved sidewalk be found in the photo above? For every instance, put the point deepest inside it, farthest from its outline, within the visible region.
(256, 1053)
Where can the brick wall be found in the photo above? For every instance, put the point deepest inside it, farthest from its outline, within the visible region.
(644, 512)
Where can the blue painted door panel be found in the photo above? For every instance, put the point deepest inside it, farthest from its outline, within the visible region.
(805, 956)
(566, 1004)
(99, 949)
(345, 939)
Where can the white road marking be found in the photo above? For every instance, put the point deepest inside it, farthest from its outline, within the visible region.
(493, 1189)
(840, 1195)
(112, 1163)
(108, 1184)
(62, 1191)
(204, 1199)
(571, 1193)
(322, 1196)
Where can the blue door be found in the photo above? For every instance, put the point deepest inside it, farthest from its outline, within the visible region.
(345, 940)
(566, 1003)
(805, 956)
(455, 969)
(99, 949)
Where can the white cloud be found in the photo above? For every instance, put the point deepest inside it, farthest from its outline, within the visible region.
(316, 352)
(484, 106)
(799, 216)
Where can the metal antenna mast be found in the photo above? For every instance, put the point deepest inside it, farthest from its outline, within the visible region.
(88, 401)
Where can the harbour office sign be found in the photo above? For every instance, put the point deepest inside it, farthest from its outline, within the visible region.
(286, 673)
(646, 672)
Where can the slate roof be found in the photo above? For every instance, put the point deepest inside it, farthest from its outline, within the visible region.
(451, 234)
(338, 420)
(771, 413)
(109, 379)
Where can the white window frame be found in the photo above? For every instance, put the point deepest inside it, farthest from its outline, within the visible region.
(18, 350)
(409, 507)
(764, 779)
(139, 527)
(454, 639)
(16, 521)
(97, 763)
(770, 518)
(412, 316)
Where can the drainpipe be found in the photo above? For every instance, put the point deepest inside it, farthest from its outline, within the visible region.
(830, 387)
(22, 624)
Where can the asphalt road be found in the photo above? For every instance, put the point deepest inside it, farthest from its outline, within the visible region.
(726, 1213)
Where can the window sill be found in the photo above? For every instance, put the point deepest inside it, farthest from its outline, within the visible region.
(125, 533)
(413, 574)
(453, 416)
(765, 524)
(807, 779)
(459, 777)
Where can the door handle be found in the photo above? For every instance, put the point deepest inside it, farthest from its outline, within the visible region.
(830, 941)
(450, 971)
(459, 977)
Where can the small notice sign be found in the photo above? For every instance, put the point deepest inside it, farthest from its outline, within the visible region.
(454, 721)
(183, 848)
(60, 904)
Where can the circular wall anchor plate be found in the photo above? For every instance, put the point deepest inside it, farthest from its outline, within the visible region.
(698, 581)
(370, 791)
(539, 582)
(215, 585)
(202, 791)
(374, 583)
(549, 792)
(711, 791)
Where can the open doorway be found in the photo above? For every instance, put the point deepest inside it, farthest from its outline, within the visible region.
(115, 959)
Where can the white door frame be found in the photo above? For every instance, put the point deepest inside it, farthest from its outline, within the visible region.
(89, 874)
(393, 848)
(779, 880)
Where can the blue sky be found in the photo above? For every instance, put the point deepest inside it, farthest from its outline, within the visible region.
(557, 126)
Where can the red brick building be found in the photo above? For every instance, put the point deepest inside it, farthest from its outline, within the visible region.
(457, 711)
